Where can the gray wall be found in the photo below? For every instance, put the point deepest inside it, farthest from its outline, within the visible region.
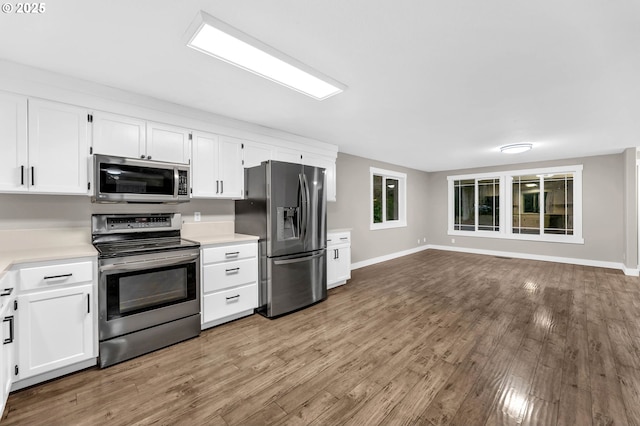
(351, 210)
(602, 205)
(630, 257)
(27, 211)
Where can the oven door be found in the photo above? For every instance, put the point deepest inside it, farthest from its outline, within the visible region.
(138, 292)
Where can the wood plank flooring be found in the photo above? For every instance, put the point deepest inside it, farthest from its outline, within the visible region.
(435, 338)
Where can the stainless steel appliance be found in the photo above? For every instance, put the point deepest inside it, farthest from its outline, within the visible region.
(285, 205)
(131, 180)
(148, 284)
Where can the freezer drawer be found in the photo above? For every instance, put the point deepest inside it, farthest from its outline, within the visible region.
(294, 282)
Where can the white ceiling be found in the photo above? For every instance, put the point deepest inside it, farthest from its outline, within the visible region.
(432, 85)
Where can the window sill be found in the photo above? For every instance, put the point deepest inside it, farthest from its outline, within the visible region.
(388, 225)
(566, 239)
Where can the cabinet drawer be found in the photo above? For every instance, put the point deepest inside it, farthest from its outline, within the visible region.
(229, 274)
(224, 303)
(54, 275)
(227, 253)
(338, 238)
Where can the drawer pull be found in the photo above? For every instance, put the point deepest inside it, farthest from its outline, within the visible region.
(53, 277)
(344, 238)
(9, 319)
(232, 270)
(233, 253)
(237, 296)
(7, 292)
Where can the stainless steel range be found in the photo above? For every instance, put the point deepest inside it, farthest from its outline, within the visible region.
(148, 284)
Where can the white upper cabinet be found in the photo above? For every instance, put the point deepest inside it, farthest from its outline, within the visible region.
(168, 143)
(130, 137)
(119, 135)
(255, 153)
(330, 172)
(13, 142)
(217, 170)
(230, 168)
(58, 148)
(288, 155)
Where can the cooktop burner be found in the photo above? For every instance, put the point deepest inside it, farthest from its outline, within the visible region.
(124, 248)
(124, 235)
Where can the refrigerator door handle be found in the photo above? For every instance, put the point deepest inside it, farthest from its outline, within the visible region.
(298, 259)
(304, 195)
(306, 204)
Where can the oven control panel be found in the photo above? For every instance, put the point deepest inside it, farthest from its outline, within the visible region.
(138, 222)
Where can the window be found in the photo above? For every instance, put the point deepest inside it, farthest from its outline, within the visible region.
(477, 205)
(388, 199)
(539, 204)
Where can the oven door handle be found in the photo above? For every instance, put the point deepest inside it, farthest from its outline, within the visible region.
(146, 264)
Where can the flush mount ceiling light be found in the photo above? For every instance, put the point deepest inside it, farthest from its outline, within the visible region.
(515, 148)
(213, 37)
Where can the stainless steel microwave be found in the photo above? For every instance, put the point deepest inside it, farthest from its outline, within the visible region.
(132, 180)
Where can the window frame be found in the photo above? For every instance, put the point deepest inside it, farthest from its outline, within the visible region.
(506, 205)
(476, 204)
(402, 194)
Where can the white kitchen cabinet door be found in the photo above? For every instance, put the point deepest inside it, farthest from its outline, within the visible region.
(330, 172)
(339, 267)
(255, 153)
(230, 169)
(13, 142)
(7, 350)
(118, 135)
(168, 143)
(58, 148)
(288, 155)
(55, 329)
(204, 173)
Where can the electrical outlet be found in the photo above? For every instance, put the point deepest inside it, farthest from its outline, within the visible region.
(196, 216)
(453, 241)
(424, 240)
(418, 240)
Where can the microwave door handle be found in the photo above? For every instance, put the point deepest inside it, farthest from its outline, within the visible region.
(176, 182)
(146, 264)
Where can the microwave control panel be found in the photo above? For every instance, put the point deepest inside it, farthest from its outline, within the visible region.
(183, 182)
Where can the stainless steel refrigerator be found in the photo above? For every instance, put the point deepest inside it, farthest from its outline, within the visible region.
(285, 205)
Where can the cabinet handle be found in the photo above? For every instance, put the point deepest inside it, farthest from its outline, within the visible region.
(217, 187)
(232, 253)
(7, 291)
(237, 296)
(33, 176)
(232, 270)
(148, 157)
(9, 319)
(344, 238)
(142, 156)
(88, 303)
(222, 187)
(21, 175)
(53, 277)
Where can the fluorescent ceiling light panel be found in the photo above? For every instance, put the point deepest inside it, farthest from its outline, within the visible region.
(516, 148)
(220, 40)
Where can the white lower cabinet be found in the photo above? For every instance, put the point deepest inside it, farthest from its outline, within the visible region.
(55, 320)
(229, 282)
(338, 258)
(7, 337)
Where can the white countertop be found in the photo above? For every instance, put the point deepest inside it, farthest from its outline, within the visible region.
(207, 233)
(335, 231)
(39, 245)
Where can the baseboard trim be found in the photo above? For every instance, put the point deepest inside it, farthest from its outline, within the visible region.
(543, 258)
(386, 257)
(633, 272)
